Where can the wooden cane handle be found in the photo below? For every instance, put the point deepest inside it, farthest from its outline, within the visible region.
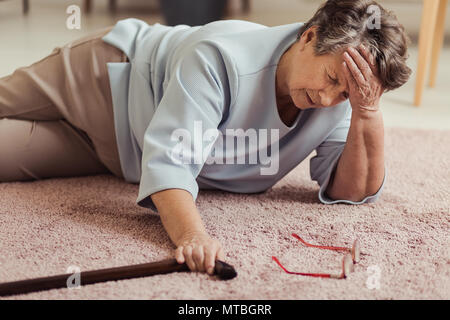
(224, 271)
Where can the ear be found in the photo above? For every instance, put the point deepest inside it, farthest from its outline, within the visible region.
(308, 37)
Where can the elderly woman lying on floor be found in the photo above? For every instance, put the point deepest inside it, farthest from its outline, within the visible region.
(162, 106)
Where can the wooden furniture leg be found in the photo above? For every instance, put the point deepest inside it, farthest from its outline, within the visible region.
(437, 41)
(429, 14)
(246, 6)
(87, 6)
(26, 6)
(112, 5)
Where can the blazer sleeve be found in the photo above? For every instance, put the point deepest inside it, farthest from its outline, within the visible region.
(184, 127)
(324, 163)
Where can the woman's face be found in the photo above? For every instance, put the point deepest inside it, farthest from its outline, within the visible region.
(314, 81)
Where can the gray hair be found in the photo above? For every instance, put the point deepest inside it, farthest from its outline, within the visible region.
(344, 23)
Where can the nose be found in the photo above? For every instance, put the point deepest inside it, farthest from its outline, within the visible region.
(326, 98)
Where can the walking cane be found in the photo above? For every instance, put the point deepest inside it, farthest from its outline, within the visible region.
(223, 270)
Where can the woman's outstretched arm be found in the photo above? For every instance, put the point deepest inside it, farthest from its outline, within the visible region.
(182, 221)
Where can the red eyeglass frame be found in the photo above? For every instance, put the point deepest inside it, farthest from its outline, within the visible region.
(351, 257)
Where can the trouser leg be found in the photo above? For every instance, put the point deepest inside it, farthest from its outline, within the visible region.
(70, 84)
(31, 93)
(34, 150)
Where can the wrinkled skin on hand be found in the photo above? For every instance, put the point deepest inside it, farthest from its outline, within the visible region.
(199, 251)
(361, 72)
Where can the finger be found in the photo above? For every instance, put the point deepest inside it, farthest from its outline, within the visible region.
(350, 80)
(354, 69)
(210, 254)
(197, 255)
(361, 62)
(187, 251)
(179, 255)
(370, 59)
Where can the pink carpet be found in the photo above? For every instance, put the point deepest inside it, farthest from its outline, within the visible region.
(93, 222)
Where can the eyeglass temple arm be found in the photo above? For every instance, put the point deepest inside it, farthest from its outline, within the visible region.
(320, 247)
(319, 275)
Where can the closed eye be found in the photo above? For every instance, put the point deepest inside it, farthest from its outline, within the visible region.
(333, 80)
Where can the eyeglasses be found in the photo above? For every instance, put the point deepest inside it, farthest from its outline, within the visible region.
(351, 257)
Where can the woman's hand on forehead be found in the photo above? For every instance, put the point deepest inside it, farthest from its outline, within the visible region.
(361, 73)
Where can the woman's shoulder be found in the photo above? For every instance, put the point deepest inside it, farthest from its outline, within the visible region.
(249, 46)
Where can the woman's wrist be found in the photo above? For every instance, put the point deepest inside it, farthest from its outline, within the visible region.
(364, 114)
(189, 234)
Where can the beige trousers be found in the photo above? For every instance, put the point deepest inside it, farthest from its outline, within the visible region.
(56, 116)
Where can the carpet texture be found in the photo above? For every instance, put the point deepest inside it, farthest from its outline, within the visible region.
(93, 222)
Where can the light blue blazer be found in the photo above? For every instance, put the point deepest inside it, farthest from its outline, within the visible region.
(220, 77)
